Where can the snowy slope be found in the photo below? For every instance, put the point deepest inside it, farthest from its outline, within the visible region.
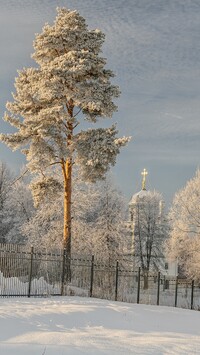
(60, 326)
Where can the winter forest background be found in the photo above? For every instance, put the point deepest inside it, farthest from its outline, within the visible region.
(65, 227)
(98, 224)
(153, 48)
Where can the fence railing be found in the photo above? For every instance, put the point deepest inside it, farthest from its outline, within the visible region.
(31, 273)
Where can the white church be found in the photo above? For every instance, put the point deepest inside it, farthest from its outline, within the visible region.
(147, 224)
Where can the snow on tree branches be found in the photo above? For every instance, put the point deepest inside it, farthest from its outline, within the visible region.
(149, 230)
(69, 84)
(184, 242)
(95, 162)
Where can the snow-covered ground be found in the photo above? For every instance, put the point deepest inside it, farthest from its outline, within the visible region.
(73, 325)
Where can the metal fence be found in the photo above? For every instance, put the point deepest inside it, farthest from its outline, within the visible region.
(31, 273)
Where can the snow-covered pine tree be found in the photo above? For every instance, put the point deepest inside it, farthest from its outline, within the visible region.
(98, 227)
(69, 84)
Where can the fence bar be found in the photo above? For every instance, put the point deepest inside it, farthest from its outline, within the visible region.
(92, 276)
(176, 292)
(158, 289)
(63, 272)
(30, 273)
(116, 280)
(138, 288)
(22, 268)
(192, 294)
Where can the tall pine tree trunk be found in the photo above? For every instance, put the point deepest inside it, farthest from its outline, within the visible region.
(67, 173)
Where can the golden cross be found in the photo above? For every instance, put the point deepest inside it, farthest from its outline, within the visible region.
(144, 173)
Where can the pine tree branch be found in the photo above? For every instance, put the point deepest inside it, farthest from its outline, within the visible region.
(20, 177)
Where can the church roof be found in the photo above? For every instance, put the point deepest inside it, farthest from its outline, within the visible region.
(142, 193)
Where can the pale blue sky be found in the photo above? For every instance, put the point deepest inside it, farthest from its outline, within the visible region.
(153, 46)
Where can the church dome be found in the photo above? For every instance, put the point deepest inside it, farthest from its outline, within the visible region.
(141, 194)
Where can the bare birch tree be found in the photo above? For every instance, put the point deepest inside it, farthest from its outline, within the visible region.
(150, 232)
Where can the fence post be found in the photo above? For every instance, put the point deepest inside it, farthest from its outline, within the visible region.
(192, 294)
(116, 280)
(158, 289)
(92, 276)
(63, 272)
(138, 288)
(30, 273)
(176, 292)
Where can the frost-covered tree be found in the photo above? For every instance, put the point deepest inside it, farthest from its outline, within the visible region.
(6, 222)
(16, 206)
(21, 210)
(70, 84)
(109, 221)
(98, 221)
(43, 231)
(184, 216)
(150, 230)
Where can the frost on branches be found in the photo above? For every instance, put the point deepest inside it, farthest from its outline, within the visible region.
(150, 230)
(16, 206)
(98, 224)
(184, 242)
(70, 84)
(95, 162)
